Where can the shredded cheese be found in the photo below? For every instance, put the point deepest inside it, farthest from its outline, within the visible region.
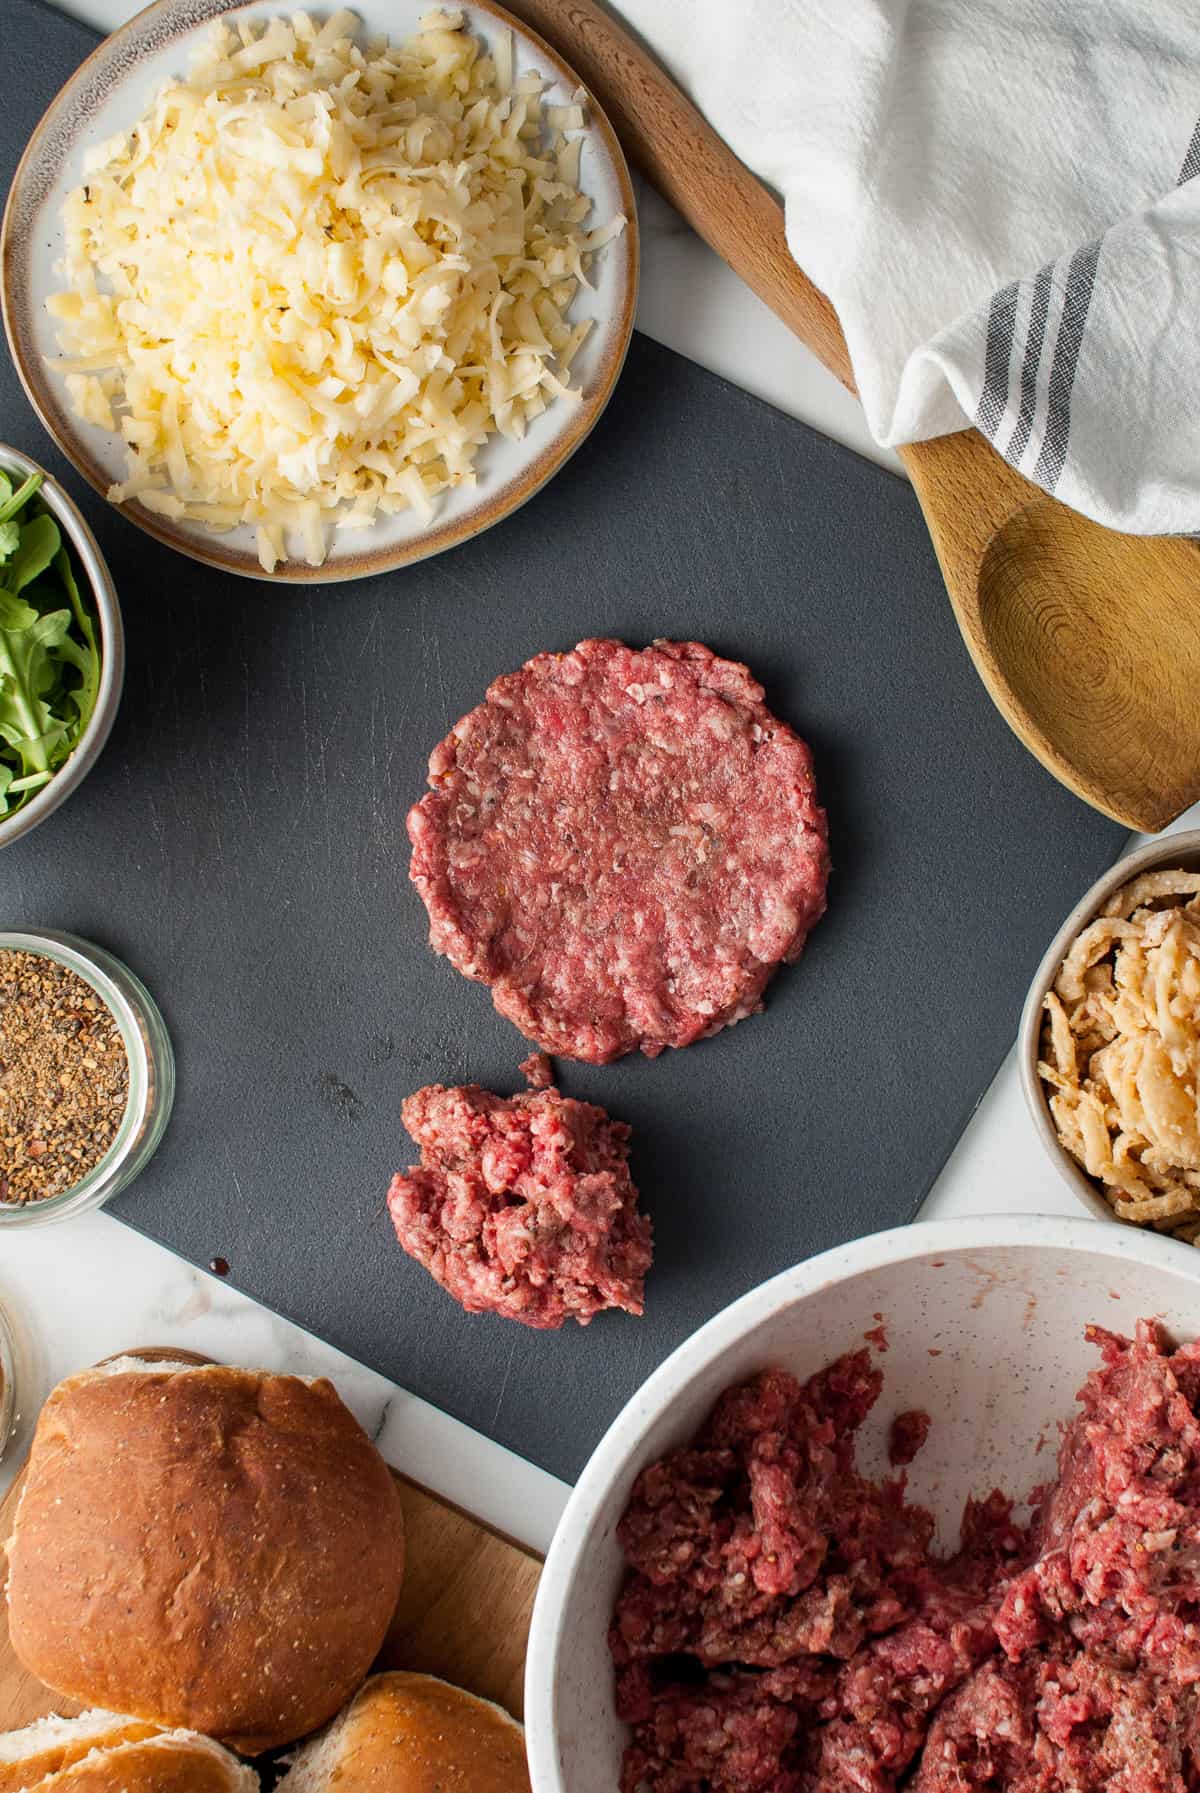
(314, 278)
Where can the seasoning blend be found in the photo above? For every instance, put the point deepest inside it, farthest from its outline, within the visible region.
(87, 1077)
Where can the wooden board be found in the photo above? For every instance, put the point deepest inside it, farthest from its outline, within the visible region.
(463, 1614)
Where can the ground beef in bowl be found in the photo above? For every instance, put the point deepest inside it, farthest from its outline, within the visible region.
(785, 1626)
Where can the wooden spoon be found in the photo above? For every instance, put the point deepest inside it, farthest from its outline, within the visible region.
(1088, 641)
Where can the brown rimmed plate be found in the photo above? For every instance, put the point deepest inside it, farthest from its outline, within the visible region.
(109, 93)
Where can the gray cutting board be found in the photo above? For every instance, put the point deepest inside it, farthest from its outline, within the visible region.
(242, 846)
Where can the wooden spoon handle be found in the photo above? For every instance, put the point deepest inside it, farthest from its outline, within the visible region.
(691, 166)
(965, 489)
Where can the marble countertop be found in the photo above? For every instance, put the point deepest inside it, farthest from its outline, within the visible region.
(77, 1293)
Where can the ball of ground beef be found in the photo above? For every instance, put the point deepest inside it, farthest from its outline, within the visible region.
(623, 845)
(522, 1205)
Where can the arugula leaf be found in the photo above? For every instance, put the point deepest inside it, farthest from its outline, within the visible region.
(15, 613)
(39, 543)
(49, 652)
(27, 674)
(87, 657)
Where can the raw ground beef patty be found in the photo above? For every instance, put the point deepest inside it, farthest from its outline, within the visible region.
(784, 1626)
(624, 845)
(522, 1206)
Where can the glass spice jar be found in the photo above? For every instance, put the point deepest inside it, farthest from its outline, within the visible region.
(151, 1077)
(8, 1384)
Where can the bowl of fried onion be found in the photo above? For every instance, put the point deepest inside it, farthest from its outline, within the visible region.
(1109, 1044)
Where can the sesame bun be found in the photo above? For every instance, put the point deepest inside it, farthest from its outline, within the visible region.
(95, 1757)
(413, 1734)
(209, 1548)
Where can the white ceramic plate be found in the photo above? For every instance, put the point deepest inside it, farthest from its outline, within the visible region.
(109, 93)
(1002, 1301)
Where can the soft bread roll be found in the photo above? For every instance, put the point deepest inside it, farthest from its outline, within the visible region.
(52, 1744)
(172, 1762)
(210, 1548)
(408, 1733)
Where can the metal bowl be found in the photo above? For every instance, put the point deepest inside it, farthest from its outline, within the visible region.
(93, 567)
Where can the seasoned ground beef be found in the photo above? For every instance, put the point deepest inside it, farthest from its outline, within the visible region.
(1064, 1720)
(522, 1206)
(1099, 1682)
(623, 845)
(785, 1628)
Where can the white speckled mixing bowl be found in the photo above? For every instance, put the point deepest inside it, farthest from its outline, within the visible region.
(984, 1322)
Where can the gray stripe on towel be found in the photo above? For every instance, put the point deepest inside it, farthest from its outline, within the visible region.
(1081, 278)
(1002, 318)
(1034, 337)
(1191, 162)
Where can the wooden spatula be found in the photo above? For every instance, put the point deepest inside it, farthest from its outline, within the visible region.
(1088, 641)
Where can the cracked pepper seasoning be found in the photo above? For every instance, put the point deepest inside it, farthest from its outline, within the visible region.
(64, 1078)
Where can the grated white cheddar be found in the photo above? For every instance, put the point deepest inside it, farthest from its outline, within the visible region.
(314, 278)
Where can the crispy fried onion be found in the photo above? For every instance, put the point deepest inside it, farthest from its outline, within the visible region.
(1121, 1052)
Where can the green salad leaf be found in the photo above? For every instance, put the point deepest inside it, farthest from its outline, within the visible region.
(38, 541)
(49, 652)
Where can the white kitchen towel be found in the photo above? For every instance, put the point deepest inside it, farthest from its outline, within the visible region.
(1001, 198)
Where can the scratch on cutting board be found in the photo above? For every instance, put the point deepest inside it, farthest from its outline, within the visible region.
(382, 800)
(452, 578)
(431, 652)
(504, 1383)
(243, 774)
(371, 631)
(324, 728)
(299, 809)
(304, 757)
(157, 831)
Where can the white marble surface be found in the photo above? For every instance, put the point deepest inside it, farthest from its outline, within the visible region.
(84, 1290)
(80, 1292)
